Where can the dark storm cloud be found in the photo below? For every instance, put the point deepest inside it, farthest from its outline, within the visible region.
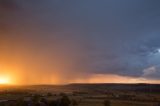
(109, 36)
(8, 4)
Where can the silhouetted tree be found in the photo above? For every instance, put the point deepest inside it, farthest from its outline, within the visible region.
(74, 102)
(64, 101)
(62, 94)
(49, 94)
(36, 98)
(21, 102)
(53, 103)
(43, 100)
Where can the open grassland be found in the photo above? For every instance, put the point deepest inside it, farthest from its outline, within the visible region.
(82, 95)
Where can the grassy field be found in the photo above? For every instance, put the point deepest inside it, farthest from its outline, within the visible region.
(116, 103)
(84, 95)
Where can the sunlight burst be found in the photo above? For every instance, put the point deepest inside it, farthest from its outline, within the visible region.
(4, 80)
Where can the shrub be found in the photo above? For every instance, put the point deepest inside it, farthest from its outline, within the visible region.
(36, 98)
(53, 103)
(43, 100)
(74, 102)
(49, 94)
(64, 101)
(21, 102)
(107, 103)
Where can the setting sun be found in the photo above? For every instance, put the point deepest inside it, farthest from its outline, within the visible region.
(4, 80)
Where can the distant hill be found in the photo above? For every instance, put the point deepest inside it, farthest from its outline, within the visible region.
(103, 87)
(140, 87)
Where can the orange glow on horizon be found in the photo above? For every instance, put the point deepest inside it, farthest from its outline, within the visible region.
(19, 77)
(110, 78)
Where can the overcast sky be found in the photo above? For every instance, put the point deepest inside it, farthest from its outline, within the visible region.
(73, 39)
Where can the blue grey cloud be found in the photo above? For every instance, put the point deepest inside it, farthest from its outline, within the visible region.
(113, 36)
